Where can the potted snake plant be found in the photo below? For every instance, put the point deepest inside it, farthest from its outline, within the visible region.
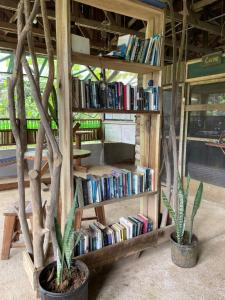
(184, 244)
(65, 278)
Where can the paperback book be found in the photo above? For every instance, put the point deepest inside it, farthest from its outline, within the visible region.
(89, 94)
(98, 235)
(120, 183)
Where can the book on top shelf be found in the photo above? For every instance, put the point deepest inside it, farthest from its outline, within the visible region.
(98, 235)
(134, 49)
(89, 94)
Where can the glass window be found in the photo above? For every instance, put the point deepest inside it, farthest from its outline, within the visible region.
(213, 93)
(205, 163)
(206, 124)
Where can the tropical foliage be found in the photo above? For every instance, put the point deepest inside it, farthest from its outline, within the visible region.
(179, 216)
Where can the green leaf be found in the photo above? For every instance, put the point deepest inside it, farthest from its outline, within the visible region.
(182, 203)
(58, 234)
(59, 269)
(69, 248)
(197, 202)
(168, 207)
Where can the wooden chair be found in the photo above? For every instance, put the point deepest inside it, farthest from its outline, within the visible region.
(12, 228)
(99, 216)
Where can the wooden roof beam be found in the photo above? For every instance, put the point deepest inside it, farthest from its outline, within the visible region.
(194, 21)
(12, 28)
(12, 5)
(190, 47)
(197, 6)
(84, 22)
(132, 8)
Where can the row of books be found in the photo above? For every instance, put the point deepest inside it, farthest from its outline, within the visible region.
(98, 236)
(120, 183)
(134, 49)
(115, 95)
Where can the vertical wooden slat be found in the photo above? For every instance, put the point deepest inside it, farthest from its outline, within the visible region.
(63, 44)
(150, 133)
(181, 138)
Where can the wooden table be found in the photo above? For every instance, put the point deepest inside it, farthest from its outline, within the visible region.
(77, 154)
(78, 137)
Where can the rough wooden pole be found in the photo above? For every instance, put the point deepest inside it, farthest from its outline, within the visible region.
(38, 230)
(63, 37)
(21, 108)
(22, 33)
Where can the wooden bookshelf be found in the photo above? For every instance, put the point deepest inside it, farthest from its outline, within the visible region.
(149, 125)
(115, 111)
(108, 254)
(113, 63)
(116, 200)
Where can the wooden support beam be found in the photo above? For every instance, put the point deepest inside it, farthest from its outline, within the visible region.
(65, 103)
(12, 46)
(12, 5)
(132, 8)
(131, 22)
(9, 4)
(199, 5)
(12, 28)
(192, 48)
(194, 21)
(96, 25)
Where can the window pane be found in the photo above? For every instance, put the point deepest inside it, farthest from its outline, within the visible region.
(205, 163)
(206, 124)
(213, 93)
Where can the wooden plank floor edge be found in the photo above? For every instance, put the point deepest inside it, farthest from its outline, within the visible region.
(109, 254)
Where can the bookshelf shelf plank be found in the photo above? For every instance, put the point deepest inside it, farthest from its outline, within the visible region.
(115, 111)
(111, 201)
(109, 254)
(112, 63)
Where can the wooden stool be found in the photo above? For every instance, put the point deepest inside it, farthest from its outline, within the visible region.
(12, 230)
(99, 216)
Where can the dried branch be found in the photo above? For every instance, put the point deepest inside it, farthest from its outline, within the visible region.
(12, 82)
(171, 144)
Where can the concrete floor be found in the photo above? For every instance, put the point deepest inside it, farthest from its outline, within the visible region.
(152, 276)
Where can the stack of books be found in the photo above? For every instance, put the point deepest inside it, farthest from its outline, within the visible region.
(115, 95)
(98, 236)
(120, 183)
(132, 48)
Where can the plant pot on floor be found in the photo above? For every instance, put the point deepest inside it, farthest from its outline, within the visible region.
(186, 255)
(79, 292)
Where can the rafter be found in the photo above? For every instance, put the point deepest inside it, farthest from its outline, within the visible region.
(197, 6)
(96, 25)
(190, 47)
(194, 21)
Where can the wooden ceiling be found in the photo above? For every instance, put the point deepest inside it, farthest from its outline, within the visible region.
(206, 27)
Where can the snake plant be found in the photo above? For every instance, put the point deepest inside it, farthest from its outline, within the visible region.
(179, 216)
(66, 242)
(53, 106)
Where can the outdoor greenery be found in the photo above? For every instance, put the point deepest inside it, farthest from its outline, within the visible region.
(6, 65)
